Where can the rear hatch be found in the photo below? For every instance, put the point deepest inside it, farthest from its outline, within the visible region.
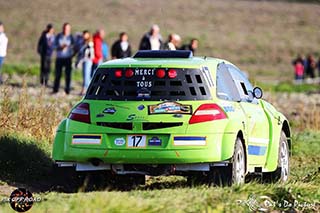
(146, 99)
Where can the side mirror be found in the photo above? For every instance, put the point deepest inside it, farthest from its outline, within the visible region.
(257, 92)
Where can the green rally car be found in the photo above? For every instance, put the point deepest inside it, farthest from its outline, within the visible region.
(167, 112)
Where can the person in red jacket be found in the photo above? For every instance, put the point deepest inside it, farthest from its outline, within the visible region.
(97, 44)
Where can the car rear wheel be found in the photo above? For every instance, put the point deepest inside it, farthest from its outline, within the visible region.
(235, 172)
(238, 164)
(127, 182)
(281, 174)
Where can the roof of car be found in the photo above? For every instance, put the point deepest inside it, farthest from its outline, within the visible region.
(178, 59)
(193, 62)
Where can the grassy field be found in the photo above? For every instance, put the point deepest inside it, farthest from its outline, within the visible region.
(261, 37)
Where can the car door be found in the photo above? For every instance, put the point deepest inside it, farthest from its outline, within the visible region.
(257, 125)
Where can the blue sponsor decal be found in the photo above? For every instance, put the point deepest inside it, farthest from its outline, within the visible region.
(141, 107)
(256, 150)
(228, 108)
(144, 93)
(192, 138)
(154, 141)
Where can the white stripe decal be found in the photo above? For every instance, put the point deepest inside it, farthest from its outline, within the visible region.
(259, 140)
(189, 143)
(85, 141)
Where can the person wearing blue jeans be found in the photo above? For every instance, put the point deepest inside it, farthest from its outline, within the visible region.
(86, 55)
(3, 47)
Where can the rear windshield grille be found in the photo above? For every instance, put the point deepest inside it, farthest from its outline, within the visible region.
(148, 84)
(149, 126)
(126, 126)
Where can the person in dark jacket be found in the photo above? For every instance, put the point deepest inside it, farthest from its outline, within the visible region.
(45, 49)
(193, 45)
(310, 66)
(152, 40)
(64, 44)
(121, 48)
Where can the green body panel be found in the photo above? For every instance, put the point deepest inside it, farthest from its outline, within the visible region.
(276, 120)
(220, 134)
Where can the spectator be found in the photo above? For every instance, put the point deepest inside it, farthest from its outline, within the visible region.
(86, 55)
(298, 59)
(78, 43)
(319, 66)
(64, 44)
(105, 50)
(97, 44)
(3, 47)
(299, 71)
(121, 48)
(193, 45)
(45, 49)
(310, 66)
(173, 42)
(151, 40)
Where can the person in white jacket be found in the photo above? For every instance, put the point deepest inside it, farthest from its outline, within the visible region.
(3, 47)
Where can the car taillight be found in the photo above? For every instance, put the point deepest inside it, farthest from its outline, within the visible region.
(161, 73)
(207, 112)
(81, 113)
(118, 73)
(172, 73)
(129, 73)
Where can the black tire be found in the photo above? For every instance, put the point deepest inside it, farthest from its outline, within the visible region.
(238, 168)
(234, 173)
(127, 182)
(281, 174)
(196, 179)
(66, 179)
(95, 181)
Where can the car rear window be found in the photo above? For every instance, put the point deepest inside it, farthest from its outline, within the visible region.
(148, 84)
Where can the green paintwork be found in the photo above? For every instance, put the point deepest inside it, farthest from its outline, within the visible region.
(220, 134)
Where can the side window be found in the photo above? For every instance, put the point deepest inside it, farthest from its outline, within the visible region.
(243, 85)
(226, 88)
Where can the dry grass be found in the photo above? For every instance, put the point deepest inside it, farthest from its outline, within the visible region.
(37, 119)
(259, 36)
(301, 109)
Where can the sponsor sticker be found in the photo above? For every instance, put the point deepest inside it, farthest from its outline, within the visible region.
(143, 93)
(109, 110)
(141, 107)
(136, 118)
(228, 108)
(154, 141)
(169, 108)
(86, 139)
(100, 115)
(119, 141)
(189, 141)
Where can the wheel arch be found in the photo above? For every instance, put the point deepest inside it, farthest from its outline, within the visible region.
(287, 131)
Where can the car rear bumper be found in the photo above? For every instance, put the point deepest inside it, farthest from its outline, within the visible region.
(218, 147)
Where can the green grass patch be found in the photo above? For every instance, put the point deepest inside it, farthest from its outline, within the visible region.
(20, 69)
(289, 87)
